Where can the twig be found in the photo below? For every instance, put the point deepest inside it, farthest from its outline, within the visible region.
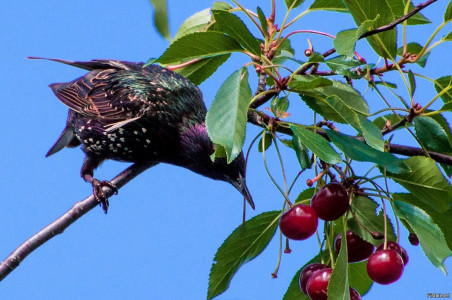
(59, 225)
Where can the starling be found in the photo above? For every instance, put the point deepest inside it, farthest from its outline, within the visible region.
(129, 112)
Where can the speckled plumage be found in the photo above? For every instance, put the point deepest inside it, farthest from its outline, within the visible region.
(122, 111)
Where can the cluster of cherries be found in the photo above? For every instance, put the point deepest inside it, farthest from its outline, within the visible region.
(384, 266)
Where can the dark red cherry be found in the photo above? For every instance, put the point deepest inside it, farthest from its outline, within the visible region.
(385, 266)
(318, 283)
(331, 201)
(357, 248)
(307, 272)
(414, 240)
(397, 248)
(299, 222)
(354, 295)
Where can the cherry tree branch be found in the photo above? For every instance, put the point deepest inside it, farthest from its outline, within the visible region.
(64, 221)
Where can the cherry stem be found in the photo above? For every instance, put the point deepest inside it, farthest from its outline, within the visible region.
(278, 262)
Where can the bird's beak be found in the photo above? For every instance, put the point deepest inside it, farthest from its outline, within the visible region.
(240, 185)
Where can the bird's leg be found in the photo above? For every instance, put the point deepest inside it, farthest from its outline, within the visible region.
(86, 172)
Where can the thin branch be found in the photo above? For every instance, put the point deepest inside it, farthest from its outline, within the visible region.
(64, 221)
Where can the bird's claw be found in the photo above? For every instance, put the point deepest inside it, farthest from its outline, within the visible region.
(99, 193)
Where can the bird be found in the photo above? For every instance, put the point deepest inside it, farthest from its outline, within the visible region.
(132, 112)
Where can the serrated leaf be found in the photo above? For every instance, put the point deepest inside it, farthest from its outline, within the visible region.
(293, 3)
(346, 93)
(161, 18)
(227, 117)
(359, 151)
(383, 43)
(342, 65)
(345, 41)
(432, 135)
(365, 211)
(245, 243)
(316, 144)
(338, 287)
(203, 69)
(334, 5)
(345, 112)
(316, 57)
(304, 83)
(262, 20)
(220, 5)
(371, 133)
(441, 120)
(199, 45)
(399, 11)
(448, 12)
(194, 23)
(302, 153)
(234, 27)
(293, 291)
(432, 239)
(426, 183)
(415, 48)
(358, 277)
(443, 83)
(305, 196)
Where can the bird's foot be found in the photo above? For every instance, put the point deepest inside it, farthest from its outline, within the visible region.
(99, 193)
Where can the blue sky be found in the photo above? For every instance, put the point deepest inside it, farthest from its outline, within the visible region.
(163, 229)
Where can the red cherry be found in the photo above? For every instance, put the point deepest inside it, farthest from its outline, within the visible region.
(354, 295)
(414, 240)
(397, 248)
(299, 222)
(385, 266)
(357, 248)
(318, 283)
(307, 272)
(331, 201)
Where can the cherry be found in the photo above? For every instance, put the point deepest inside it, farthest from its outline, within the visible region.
(307, 272)
(397, 248)
(385, 266)
(414, 240)
(318, 283)
(354, 295)
(331, 201)
(357, 248)
(299, 222)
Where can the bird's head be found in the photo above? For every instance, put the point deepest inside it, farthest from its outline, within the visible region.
(196, 151)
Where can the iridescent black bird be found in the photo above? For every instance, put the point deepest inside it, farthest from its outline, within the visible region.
(122, 111)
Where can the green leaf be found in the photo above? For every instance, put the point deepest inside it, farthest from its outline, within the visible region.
(262, 19)
(279, 105)
(334, 5)
(295, 3)
(380, 122)
(447, 106)
(399, 10)
(342, 65)
(245, 243)
(346, 113)
(194, 23)
(412, 82)
(302, 153)
(384, 43)
(316, 144)
(448, 13)
(220, 5)
(415, 48)
(447, 37)
(441, 219)
(443, 83)
(345, 41)
(432, 239)
(231, 25)
(303, 83)
(358, 277)
(265, 144)
(227, 117)
(364, 209)
(305, 196)
(346, 93)
(371, 133)
(359, 151)
(426, 183)
(432, 135)
(293, 291)
(199, 45)
(284, 52)
(338, 287)
(161, 18)
(201, 70)
(441, 120)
